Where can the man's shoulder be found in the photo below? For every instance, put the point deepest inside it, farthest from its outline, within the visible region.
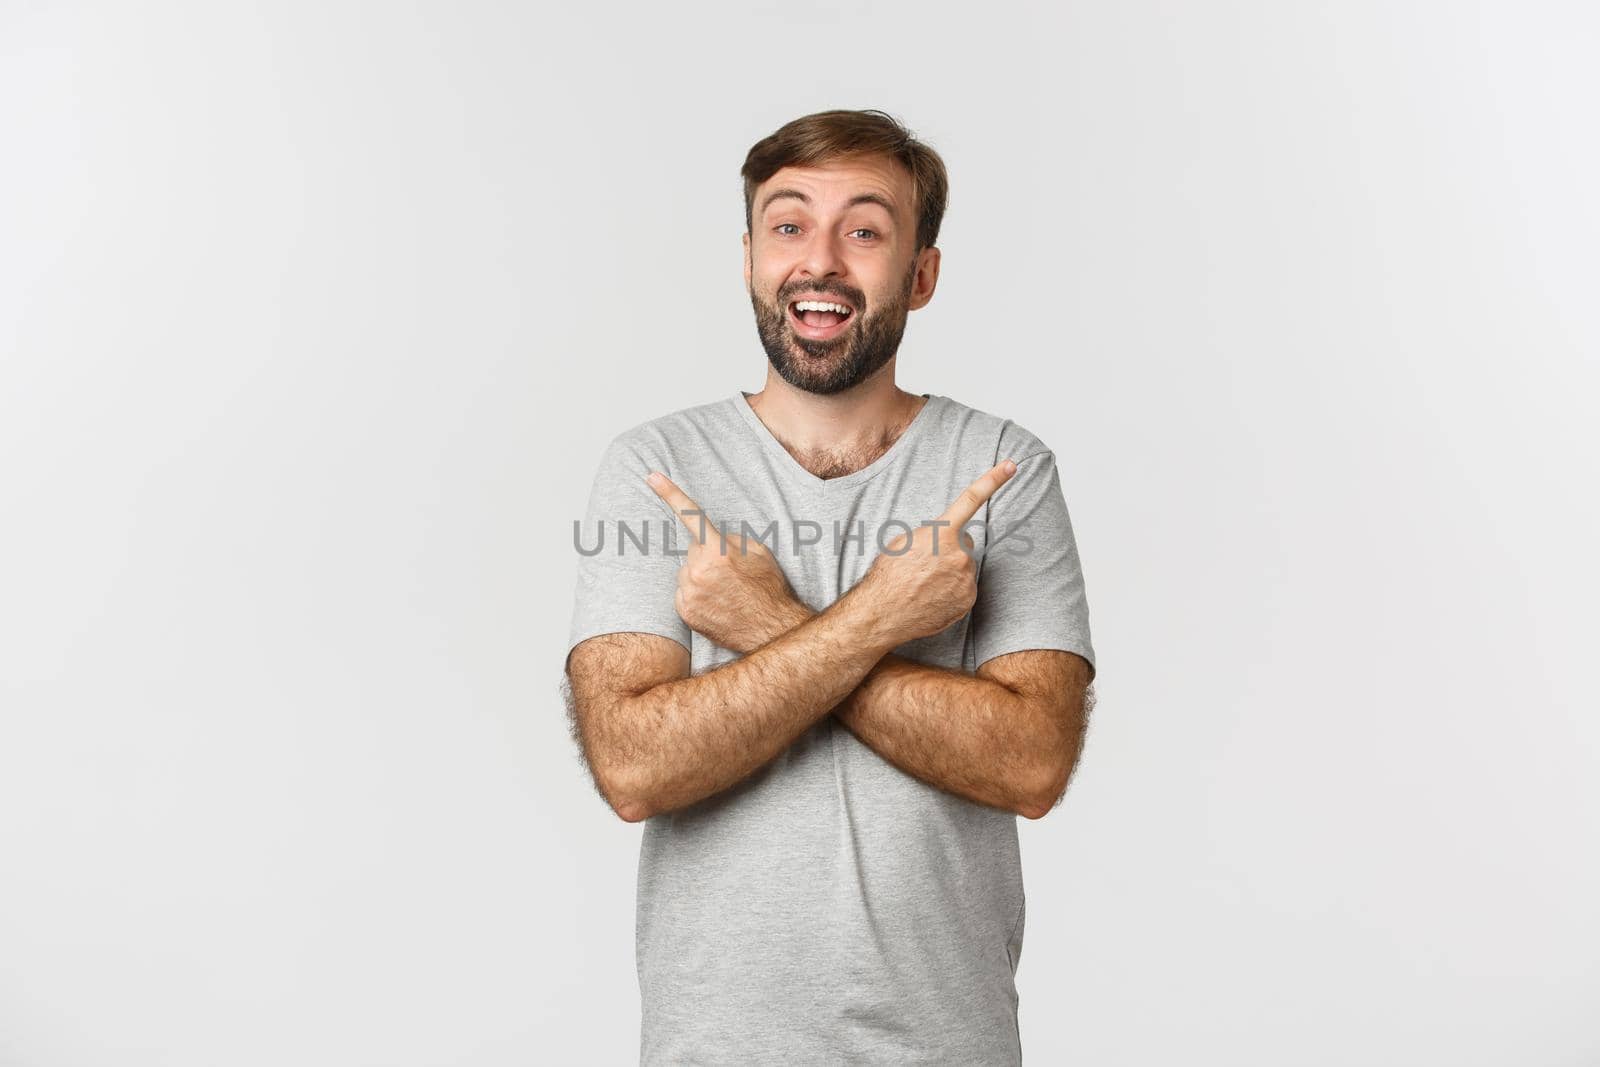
(1011, 439)
(659, 437)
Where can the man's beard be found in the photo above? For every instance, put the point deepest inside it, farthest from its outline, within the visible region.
(832, 366)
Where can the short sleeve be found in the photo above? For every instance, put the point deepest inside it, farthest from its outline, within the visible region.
(628, 552)
(1030, 583)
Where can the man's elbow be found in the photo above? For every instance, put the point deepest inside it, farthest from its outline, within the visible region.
(1042, 801)
(1059, 763)
(1036, 809)
(623, 797)
(631, 811)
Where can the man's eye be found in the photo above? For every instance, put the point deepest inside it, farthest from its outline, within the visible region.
(782, 226)
(869, 233)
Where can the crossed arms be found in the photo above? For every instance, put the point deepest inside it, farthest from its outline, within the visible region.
(658, 739)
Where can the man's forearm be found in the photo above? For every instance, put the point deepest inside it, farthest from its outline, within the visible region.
(697, 736)
(966, 735)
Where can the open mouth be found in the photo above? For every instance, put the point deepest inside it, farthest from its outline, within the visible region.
(820, 320)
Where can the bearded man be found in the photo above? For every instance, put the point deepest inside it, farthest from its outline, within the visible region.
(828, 719)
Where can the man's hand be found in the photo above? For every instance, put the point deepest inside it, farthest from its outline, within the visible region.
(730, 589)
(926, 580)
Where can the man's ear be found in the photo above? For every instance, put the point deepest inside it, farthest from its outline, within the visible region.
(747, 264)
(927, 277)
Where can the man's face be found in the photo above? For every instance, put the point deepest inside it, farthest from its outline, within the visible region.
(841, 234)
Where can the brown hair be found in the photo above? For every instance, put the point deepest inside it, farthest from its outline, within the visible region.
(829, 135)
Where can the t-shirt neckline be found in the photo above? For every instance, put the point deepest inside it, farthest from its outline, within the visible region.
(902, 444)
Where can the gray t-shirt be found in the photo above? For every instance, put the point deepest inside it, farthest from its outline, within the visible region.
(831, 908)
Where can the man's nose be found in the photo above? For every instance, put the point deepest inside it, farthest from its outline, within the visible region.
(823, 258)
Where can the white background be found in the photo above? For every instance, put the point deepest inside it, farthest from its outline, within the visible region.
(316, 317)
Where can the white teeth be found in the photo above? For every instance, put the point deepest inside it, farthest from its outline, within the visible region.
(820, 305)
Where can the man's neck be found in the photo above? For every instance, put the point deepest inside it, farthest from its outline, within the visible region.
(834, 435)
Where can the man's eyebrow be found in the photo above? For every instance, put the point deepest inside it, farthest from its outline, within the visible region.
(873, 198)
(778, 194)
(860, 198)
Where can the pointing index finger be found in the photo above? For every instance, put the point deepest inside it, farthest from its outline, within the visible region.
(973, 496)
(679, 502)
